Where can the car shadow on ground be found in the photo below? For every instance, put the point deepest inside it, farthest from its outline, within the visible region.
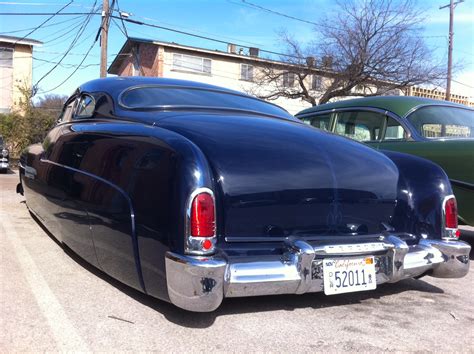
(232, 306)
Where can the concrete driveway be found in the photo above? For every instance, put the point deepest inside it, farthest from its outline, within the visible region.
(50, 300)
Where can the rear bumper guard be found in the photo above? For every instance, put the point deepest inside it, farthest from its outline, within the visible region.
(200, 283)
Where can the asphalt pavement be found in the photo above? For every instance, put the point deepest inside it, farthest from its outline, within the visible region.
(50, 300)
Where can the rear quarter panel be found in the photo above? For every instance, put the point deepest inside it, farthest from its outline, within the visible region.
(456, 157)
(147, 171)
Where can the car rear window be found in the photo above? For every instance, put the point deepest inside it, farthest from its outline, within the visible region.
(443, 122)
(156, 97)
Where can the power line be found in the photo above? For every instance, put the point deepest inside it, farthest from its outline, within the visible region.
(249, 4)
(45, 13)
(44, 22)
(195, 30)
(35, 4)
(50, 52)
(462, 83)
(119, 27)
(79, 66)
(134, 51)
(201, 37)
(51, 25)
(155, 26)
(64, 33)
(462, 51)
(73, 43)
(64, 65)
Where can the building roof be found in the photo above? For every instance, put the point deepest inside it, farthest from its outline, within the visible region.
(20, 40)
(399, 105)
(125, 51)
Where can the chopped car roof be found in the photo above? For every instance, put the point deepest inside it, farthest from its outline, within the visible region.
(399, 105)
(119, 83)
(114, 86)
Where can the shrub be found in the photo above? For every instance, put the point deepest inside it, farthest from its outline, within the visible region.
(26, 126)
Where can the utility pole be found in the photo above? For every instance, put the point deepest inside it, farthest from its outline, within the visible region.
(451, 6)
(103, 38)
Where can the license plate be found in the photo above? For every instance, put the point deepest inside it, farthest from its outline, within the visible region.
(345, 275)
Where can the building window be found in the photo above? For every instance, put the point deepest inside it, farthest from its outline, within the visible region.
(288, 79)
(246, 72)
(6, 57)
(316, 83)
(191, 64)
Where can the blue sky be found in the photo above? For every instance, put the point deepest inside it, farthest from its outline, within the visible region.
(228, 20)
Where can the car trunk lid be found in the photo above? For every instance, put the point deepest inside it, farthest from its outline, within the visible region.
(276, 177)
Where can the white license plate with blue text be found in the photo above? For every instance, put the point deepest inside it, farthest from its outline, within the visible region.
(345, 275)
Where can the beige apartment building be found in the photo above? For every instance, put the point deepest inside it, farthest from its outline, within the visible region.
(438, 95)
(16, 67)
(234, 69)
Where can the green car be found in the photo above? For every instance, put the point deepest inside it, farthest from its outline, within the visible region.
(440, 131)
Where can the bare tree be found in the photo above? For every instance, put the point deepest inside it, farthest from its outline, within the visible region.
(367, 48)
(51, 102)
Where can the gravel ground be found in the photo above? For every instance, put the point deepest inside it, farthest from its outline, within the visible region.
(52, 301)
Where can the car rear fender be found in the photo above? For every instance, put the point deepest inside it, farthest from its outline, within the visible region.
(422, 187)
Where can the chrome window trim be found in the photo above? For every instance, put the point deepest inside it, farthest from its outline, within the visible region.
(70, 101)
(416, 108)
(75, 115)
(232, 93)
(447, 233)
(361, 108)
(192, 244)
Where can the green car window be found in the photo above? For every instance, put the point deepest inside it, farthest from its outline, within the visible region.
(360, 125)
(321, 121)
(443, 122)
(394, 130)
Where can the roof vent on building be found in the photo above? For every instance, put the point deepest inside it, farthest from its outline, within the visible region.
(253, 52)
(327, 62)
(311, 61)
(231, 48)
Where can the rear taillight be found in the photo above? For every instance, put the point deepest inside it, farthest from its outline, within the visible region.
(201, 223)
(450, 218)
(451, 213)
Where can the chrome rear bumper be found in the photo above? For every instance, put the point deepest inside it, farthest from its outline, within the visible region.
(200, 283)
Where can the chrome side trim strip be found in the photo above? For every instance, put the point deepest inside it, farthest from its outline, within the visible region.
(265, 239)
(132, 214)
(462, 184)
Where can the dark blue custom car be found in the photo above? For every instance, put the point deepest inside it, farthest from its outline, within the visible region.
(192, 193)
